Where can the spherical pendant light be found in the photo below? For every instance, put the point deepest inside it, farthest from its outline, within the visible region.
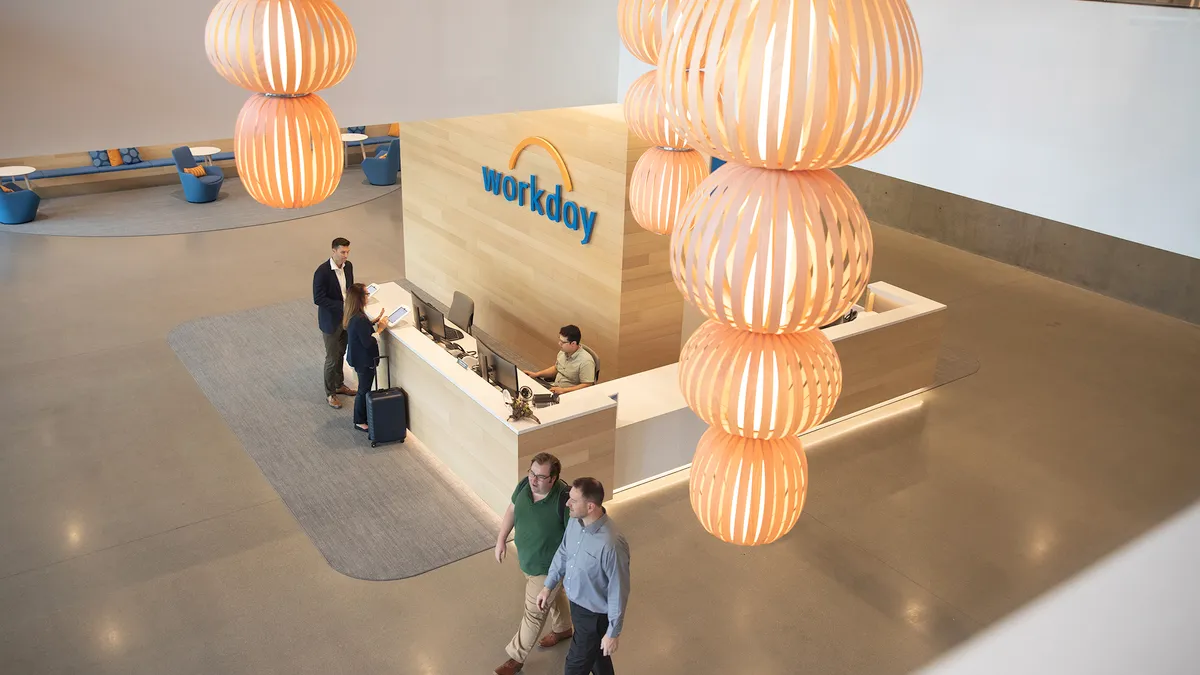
(288, 150)
(757, 385)
(661, 183)
(791, 84)
(646, 116)
(280, 46)
(747, 491)
(772, 251)
(642, 25)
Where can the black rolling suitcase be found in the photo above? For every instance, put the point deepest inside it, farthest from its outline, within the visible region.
(387, 411)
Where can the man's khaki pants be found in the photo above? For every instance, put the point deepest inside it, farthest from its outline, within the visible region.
(534, 619)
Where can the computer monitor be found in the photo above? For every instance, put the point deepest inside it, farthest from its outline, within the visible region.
(435, 323)
(420, 311)
(505, 375)
(485, 356)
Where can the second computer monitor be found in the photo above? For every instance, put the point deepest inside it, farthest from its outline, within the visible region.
(485, 356)
(505, 374)
(435, 323)
(420, 311)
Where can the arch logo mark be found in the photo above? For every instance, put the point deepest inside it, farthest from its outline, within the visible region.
(553, 206)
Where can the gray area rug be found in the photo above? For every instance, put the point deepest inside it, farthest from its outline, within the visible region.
(375, 513)
(163, 210)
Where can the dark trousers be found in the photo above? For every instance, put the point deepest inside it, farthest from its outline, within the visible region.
(365, 377)
(335, 353)
(585, 656)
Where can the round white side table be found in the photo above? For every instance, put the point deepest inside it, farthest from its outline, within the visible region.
(354, 138)
(17, 172)
(204, 152)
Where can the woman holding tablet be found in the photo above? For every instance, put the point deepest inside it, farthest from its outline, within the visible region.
(362, 350)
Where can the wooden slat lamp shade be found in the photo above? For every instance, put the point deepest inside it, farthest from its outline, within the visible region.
(642, 25)
(747, 491)
(791, 84)
(282, 47)
(662, 180)
(646, 117)
(757, 385)
(288, 150)
(772, 251)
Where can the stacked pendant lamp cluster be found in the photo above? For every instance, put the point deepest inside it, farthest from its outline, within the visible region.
(772, 245)
(666, 174)
(287, 143)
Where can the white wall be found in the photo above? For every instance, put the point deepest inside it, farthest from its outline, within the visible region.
(1082, 112)
(628, 70)
(82, 75)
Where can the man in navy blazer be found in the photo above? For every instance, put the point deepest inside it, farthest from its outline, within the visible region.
(330, 282)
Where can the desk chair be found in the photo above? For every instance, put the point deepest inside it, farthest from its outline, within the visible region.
(595, 357)
(462, 311)
(549, 382)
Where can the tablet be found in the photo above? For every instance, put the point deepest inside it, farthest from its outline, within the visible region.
(397, 315)
(371, 288)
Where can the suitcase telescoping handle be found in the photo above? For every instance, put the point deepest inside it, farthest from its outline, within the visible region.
(378, 363)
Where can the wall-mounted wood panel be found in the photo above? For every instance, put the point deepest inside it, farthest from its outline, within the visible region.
(529, 275)
(651, 305)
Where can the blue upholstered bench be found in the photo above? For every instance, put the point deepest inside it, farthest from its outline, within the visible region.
(152, 163)
(89, 169)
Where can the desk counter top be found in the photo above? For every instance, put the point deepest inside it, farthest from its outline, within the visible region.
(391, 295)
(646, 395)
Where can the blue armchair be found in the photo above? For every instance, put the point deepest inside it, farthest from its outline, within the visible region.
(18, 206)
(197, 189)
(383, 170)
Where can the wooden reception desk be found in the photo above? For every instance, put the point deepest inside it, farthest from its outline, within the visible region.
(463, 420)
(888, 352)
(631, 429)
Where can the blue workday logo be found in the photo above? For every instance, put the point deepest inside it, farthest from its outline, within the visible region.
(540, 200)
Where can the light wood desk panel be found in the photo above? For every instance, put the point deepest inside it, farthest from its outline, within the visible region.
(463, 420)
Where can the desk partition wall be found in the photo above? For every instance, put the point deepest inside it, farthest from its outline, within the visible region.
(527, 213)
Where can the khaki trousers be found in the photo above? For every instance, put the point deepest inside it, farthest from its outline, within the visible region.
(533, 620)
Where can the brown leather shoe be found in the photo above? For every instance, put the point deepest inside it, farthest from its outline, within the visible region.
(553, 638)
(333, 401)
(509, 667)
(347, 390)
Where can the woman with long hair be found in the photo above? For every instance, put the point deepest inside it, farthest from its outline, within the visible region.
(362, 349)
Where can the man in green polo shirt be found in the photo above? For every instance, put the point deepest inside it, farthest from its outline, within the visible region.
(540, 514)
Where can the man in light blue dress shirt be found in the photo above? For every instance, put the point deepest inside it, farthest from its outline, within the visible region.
(593, 564)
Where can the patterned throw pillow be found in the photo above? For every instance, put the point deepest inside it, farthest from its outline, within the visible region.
(130, 155)
(99, 158)
(197, 171)
(357, 130)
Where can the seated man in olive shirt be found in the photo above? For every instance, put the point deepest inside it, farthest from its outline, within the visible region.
(574, 369)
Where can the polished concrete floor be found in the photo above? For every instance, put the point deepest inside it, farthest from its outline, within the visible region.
(137, 537)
